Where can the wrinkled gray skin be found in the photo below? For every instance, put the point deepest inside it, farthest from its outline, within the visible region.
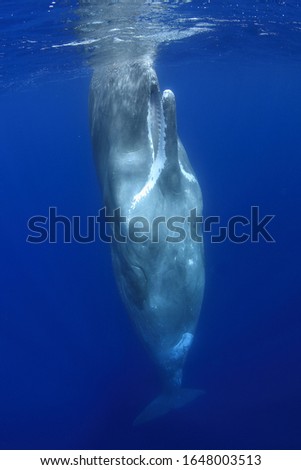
(143, 169)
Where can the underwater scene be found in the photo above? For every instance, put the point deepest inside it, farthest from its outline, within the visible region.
(185, 110)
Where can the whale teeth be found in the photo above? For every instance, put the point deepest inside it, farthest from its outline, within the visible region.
(156, 134)
(154, 118)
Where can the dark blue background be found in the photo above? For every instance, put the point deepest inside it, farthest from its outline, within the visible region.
(72, 371)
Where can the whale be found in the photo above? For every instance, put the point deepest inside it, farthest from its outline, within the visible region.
(144, 171)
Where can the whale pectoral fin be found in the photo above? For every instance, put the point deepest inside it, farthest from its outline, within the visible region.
(165, 403)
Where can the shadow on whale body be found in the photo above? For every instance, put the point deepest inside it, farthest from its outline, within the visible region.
(144, 170)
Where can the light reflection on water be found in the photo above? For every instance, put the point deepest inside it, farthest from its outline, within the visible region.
(60, 39)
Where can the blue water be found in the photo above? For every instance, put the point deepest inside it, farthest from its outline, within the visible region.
(73, 374)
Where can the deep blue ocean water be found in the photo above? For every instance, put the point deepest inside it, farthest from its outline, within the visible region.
(73, 374)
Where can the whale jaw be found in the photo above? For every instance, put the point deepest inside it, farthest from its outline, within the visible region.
(162, 125)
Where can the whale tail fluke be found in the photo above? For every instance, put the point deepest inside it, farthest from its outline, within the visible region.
(167, 402)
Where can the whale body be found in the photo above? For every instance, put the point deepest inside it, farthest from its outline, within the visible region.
(144, 170)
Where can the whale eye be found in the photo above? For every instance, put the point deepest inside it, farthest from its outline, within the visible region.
(155, 116)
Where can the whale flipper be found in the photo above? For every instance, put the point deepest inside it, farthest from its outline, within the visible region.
(165, 403)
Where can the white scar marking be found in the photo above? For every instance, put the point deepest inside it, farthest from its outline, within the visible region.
(187, 175)
(182, 346)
